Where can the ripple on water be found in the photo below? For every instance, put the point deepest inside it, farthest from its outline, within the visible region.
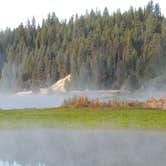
(14, 163)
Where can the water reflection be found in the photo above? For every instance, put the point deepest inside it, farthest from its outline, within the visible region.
(7, 163)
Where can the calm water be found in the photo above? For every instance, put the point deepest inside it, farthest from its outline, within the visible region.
(7, 163)
(50, 147)
(39, 101)
(33, 101)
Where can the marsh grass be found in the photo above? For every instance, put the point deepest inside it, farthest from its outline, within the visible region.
(84, 117)
(83, 101)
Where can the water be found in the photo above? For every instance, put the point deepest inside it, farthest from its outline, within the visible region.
(7, 163)
(62, 147)
(32, 101)
(43, 101)
(55, 100)
(47, 101)
(66, 147)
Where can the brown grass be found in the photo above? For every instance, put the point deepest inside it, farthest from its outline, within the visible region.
(83, 101)
(156, 103)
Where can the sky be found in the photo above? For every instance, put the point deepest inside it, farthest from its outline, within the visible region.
(14, 12)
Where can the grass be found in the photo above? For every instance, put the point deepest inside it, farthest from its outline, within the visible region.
(84, 101)
(85, 117)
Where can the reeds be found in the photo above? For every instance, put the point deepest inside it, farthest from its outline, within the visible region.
(83, 101)
(154, 103)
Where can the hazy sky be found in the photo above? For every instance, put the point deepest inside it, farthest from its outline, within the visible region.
(13, 12)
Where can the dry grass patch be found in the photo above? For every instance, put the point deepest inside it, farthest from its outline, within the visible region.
(83, 101)
(154, 103)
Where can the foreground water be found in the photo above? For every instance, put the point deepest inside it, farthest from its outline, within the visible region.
(62, 147)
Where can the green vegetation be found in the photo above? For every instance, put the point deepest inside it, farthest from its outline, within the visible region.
(99, 50)
(88, 117)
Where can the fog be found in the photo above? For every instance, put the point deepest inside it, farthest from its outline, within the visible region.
(66, 147)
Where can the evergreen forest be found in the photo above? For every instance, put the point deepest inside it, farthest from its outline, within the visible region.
(100, 50)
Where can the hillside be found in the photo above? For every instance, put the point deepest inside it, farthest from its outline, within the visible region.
(99, 50)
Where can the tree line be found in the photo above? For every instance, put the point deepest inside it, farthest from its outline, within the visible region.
(99, 50)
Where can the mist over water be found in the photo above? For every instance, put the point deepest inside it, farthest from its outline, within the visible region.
(54, 100)
(47, 101)
(13, 101)
(67, 147)
(78, 147)
(32, 101)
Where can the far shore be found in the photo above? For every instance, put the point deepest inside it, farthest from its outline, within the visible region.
(42, 91)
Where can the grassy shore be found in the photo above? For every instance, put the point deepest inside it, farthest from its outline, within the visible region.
(89, 117)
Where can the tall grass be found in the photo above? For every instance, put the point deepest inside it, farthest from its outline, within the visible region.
(83, 101)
